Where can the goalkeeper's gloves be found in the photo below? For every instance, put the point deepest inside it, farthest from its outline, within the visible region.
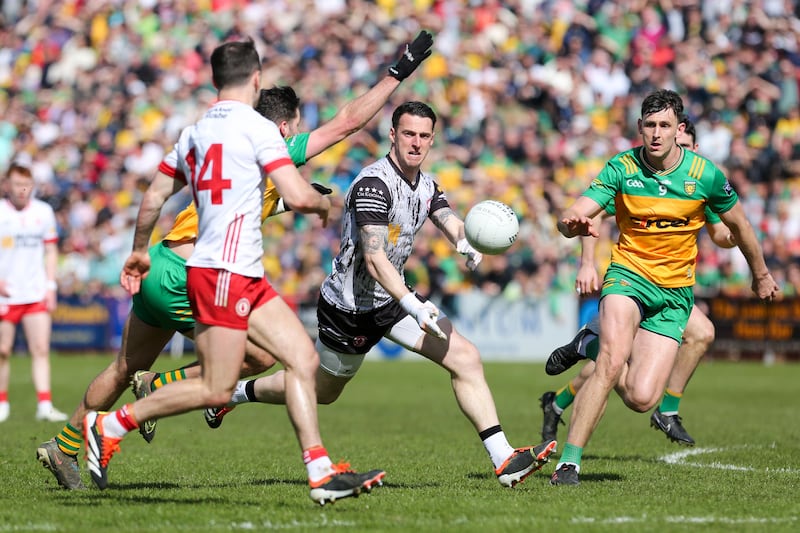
(474, 257)
(414, 54)
(426, 314)
(281, 207)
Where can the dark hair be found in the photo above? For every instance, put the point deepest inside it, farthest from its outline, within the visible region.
(19, 169)
(660, 100)
(278, 104)
(418, 109)
(688, 127)
(233, 63)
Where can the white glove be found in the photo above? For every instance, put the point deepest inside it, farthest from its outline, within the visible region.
(473, 256)
(425, 314)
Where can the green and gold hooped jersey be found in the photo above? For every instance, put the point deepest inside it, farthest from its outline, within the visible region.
(659, 213)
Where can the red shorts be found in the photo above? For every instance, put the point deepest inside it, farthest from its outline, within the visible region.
(14, 312)
(222, 298)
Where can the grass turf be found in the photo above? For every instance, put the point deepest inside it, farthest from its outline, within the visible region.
(744, 474)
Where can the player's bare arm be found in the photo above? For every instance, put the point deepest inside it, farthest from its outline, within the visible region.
(356, 113)
(453, 227)
(588, 280)
(721, 235)
(577, 220)
(374, 240)
(157, 193)
(449, 224)
(763, 285)
(138, 263)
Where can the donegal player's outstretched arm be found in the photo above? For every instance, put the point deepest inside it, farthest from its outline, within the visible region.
(577, 219)
(356, 113)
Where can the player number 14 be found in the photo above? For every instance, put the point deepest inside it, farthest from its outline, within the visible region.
(210, 176)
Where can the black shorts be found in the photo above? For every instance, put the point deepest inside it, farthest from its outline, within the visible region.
(356, 333)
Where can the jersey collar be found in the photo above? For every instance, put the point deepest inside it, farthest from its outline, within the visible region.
(643, 158)
(402, 176)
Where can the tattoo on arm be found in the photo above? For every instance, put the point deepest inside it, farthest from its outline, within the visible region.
(374, 238)
(440, 217)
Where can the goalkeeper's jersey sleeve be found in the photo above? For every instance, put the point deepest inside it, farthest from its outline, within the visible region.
(184, 229)
(659, 213)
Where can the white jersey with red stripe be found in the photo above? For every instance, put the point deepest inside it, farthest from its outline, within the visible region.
(23, 235)
(224, 158)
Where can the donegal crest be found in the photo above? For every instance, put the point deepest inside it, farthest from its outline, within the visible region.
(689, 187)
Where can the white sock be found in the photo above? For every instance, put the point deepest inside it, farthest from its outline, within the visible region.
(319, 468)
(239, 395)
(498, 448)
(112, 426)
(45, 406)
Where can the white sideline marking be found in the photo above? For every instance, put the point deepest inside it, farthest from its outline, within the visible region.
(679, 458)
(29, 527)
(683, 520)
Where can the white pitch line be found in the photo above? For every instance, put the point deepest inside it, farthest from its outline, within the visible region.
(679, 458)
(684, 520)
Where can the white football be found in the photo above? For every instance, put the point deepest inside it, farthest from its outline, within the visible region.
(491, 227)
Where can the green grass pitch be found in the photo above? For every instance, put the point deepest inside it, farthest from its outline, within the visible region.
(743, 475)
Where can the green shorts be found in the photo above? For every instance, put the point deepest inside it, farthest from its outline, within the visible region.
(162, 301)
(665, 311)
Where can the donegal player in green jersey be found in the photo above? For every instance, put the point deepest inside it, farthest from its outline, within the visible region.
(697, 337)
(660, 192)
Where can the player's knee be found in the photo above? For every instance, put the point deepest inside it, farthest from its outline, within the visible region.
(303, 363)
(701, 333)
(640, 400)
(465, 356)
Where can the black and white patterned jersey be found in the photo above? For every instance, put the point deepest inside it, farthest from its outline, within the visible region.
(378, 196)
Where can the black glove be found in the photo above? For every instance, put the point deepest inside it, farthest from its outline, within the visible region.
(323, 190)
(414, 54)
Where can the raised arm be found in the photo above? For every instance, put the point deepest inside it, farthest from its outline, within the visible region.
(356, 113)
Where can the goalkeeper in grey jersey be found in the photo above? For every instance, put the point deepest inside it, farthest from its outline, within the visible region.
(366, 298)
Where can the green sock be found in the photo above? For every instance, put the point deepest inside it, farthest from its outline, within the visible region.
(571, 454)
(592, 347)
(69, 440)
(670, 402)
(565, 396)
(164, 378)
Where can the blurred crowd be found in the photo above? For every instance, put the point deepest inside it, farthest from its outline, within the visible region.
(533, 97)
